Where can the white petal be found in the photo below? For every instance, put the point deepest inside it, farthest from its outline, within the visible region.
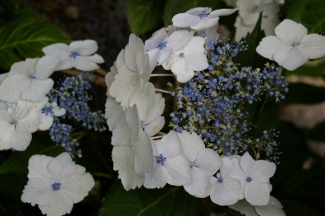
(37, 191)
(205, 23)
(46, 122)
(246, 163)
(46, 66)
(244, 207)
(226, 192)
(273, 208)
(222, 12)
(155, 126)
(179, 38)
(84, 47)
(37, 89)
(182, 71)
(209, 161)
(179, 171)
(169, 145)
(269, 46)
(20, 140)
(143, 154)
(289, 31)
(197, 61)
(191, 144)
(113, 109)
(291, 59)
(12, 87)
(84, 64)
(60, 204)
(257, 193)
(262, 171)
(313, 45)
(199, 183)
(37, 166)
(157, 178)
(62, 167)
(185, 20)
(66, 63)
(57, 49)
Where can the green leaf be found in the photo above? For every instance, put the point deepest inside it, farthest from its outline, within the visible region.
(304, 94)
(144, 15)
(166, 201)
(310, 13)
(174, 7)
(14, 170)
(250, 57)
(25, 37)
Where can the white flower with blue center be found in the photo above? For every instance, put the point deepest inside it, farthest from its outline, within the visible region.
(29, 79)
(162, 44)
(204, 163)
(200, 18)
(171, 166)
(292, 47)
(224, 189)
(254, 177)
(48, 111)
(78, 54)
(17, 125)
(183, 62)
(55, 184)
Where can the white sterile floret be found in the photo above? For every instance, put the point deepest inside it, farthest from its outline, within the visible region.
(131, 83)
(190, 58)
(55, 184)
(171, 166)
(132, 150)
(48, 111)
(78, 54)
(224, 190)
(254, 178)
(162, 44)
(200, 18)
(18, 124)
(29, 79)
(292, 47)
(204, 163)
(249, 12)
(273, 208)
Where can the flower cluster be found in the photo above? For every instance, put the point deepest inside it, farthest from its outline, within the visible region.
(209, 151)
(29, 103)
(211, 104)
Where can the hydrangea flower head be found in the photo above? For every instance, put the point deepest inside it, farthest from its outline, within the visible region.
(55, 184)
(292, 47)
(78, 54)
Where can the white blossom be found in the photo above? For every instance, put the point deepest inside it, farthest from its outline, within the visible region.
(254, 178)
(17, 125)
(55, 184)
(162, 44)
(171, 166)
(78, 54)
(200, 18)
(292, 47)
(190, 58)
(29, 79)
(204, 163)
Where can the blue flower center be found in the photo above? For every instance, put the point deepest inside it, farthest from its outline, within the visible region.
(194, 164)
(56, 186)
(47, 110)
(203, 14)
(161, 45)
(295, 42)
(220, 180)
(181, 55)
(74, 55)
(248, 179)
(160, 159)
